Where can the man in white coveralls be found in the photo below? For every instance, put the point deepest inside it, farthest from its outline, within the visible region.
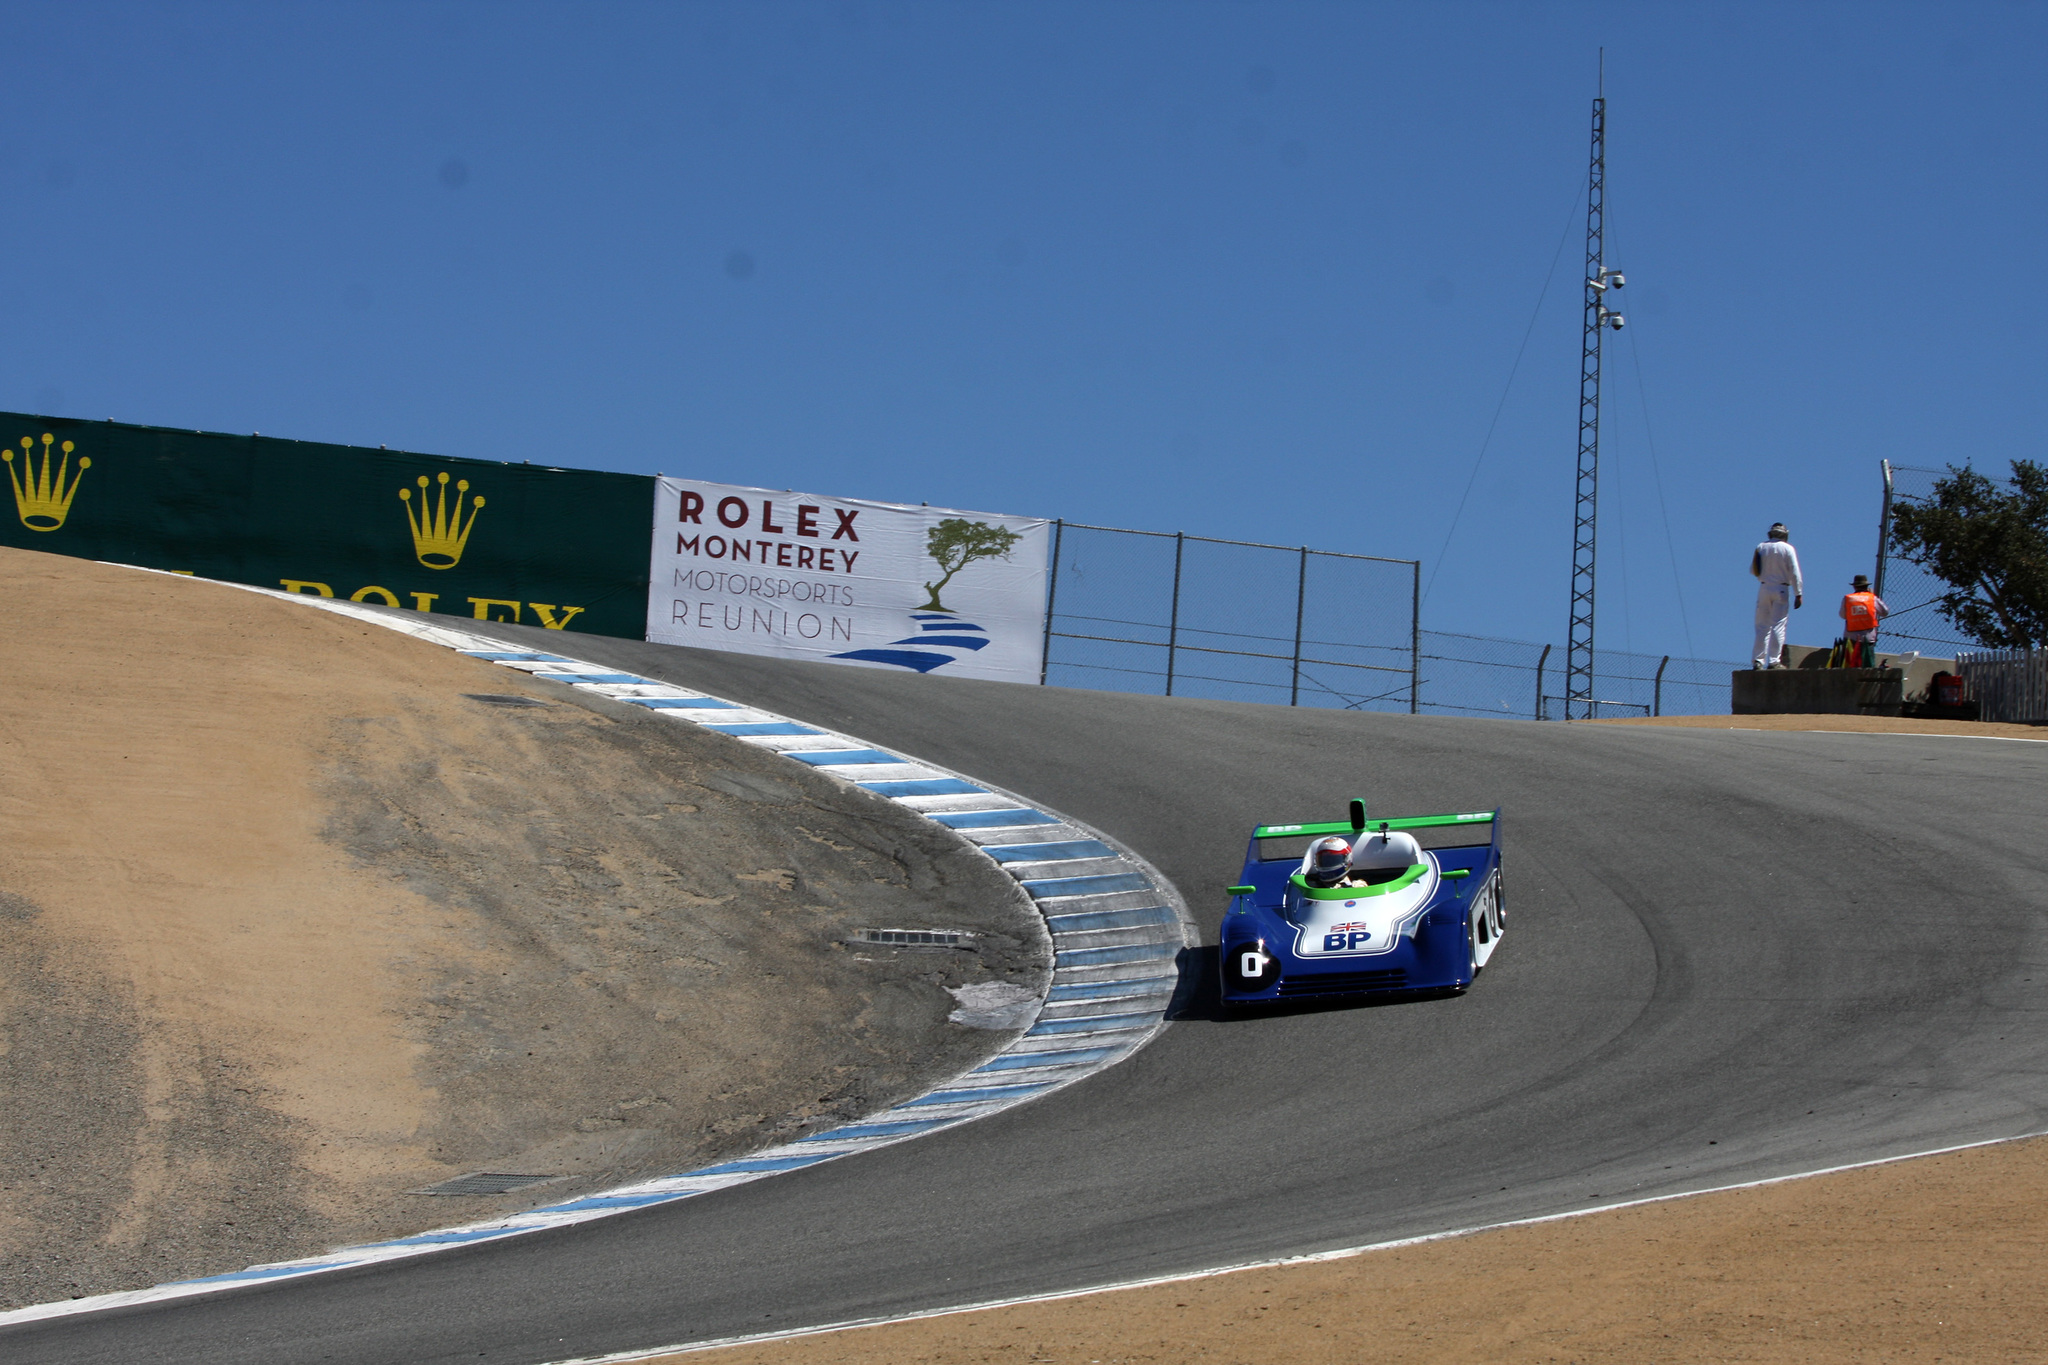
(1775, 566)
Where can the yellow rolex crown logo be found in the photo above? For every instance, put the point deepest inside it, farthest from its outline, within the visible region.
(42, 496)
(438, 538)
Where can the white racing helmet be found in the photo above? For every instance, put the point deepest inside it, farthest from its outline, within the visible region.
(1326, 861)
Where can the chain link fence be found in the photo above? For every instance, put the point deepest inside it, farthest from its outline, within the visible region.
(1478, 675)
(1191, 616)
(1912, 593)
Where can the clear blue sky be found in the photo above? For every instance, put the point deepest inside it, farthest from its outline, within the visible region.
(1250, 269)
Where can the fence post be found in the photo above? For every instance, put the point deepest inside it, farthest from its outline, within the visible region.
(1884, 528)
(1415, 643)
(1052, 594)
(1180, 540)
(1541, 660)
(1300, 601)
(1884, 538)
(1657, 697)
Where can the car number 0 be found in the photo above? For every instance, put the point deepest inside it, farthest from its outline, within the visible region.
(1249, 965)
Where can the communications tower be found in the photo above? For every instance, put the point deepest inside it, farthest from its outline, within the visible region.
(1579, 702)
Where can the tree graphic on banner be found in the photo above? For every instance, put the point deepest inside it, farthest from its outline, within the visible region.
(957, 542)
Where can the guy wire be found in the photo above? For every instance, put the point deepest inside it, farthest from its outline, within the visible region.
(1578, 203)
(1670, 546)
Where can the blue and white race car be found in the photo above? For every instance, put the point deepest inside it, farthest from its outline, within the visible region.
(1363, 907)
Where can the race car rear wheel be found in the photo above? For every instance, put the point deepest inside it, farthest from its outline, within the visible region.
(1484, 925)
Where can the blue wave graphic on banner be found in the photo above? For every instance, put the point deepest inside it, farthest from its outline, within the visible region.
(943, 638)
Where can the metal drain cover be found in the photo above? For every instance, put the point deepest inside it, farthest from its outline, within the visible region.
(918, 938)
(502, 699)
(486, 1182)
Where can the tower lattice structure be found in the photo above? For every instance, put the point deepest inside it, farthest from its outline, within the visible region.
(1578, 690)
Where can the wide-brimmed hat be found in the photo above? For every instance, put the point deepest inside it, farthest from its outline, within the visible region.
(1861, 582)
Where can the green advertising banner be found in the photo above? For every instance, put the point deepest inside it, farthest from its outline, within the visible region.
(561, 548)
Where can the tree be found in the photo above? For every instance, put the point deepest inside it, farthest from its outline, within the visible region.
(957, 542)
(1989, 543)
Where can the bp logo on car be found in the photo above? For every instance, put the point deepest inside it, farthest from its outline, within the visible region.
(1343, 937)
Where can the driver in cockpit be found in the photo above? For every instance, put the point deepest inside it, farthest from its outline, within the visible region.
(1380, 857)
(1327, 863)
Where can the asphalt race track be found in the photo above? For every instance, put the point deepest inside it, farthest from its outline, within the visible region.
(1730, 955)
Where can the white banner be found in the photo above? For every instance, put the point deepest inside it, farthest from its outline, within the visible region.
(847, 580)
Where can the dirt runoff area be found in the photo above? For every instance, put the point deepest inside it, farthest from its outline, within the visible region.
(298, 914)
(1934, 1259)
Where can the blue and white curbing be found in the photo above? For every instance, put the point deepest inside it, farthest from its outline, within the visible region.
(1117, 929)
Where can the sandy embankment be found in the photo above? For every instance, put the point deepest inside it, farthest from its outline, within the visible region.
(292, 923)
(1934, 1259)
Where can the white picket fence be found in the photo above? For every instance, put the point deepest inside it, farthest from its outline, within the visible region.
(2008, 684)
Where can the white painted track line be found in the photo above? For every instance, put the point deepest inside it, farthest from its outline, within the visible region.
(1312, 1258)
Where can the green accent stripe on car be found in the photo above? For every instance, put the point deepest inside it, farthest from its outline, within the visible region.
(1352, 893)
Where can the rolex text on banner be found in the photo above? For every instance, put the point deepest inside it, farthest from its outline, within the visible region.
(847, 580)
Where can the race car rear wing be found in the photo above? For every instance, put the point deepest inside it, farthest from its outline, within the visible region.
(1285, 843)
(1357, 823)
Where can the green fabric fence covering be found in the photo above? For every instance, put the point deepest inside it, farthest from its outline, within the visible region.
(562, 548)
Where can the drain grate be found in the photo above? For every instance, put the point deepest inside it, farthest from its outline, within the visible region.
(921, 938)
(503, 699)
(486, 1182)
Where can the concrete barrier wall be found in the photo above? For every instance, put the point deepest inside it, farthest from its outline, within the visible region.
(1919, 669)
(1818, 691)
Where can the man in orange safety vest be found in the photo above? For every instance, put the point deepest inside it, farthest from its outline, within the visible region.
(1861, 610)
